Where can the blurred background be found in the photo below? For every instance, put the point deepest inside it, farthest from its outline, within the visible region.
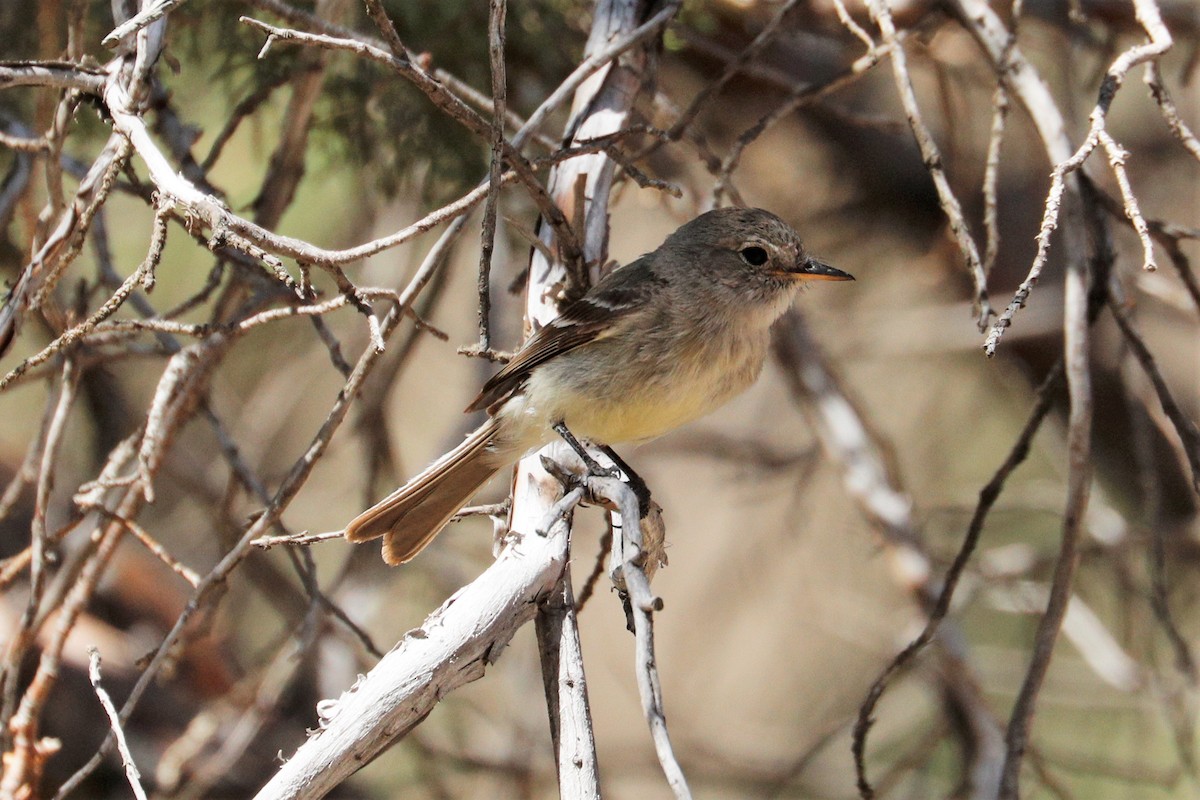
(785, 596)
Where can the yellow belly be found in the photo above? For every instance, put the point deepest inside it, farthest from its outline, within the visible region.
(637, 418)
(644, 412)
(617, 390)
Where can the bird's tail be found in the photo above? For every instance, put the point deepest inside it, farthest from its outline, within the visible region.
(411, 516)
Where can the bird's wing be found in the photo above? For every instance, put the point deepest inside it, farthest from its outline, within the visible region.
(591, 317)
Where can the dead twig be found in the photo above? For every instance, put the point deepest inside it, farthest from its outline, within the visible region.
(1098, 136)
(933, 162)
(131, 771)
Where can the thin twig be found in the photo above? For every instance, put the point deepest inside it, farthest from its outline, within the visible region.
(987, 499)
(799, 96)
(24, 144)
(23, 722)
(441, 97)
(991, 175)
(1076, 367)
(496, 17)
(383, 22)
(287, 490)
(1116, 160)
(933, 162)
(628, 559)
(1169, 236)
(1185, 429)
(1160, 41)
(247, 106)
(21, 639)
(156, 548)
(302, 538)
(151, 11)
(143, 276)
(41, 273)
(732, 68)
(131, 771)
(1170, 111)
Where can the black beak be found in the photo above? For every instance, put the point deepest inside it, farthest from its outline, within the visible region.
(812, 270)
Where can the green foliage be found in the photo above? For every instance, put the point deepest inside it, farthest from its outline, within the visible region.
(366, 116)
(385, 126)
(374, 119)
(17, 32)
(382, 122)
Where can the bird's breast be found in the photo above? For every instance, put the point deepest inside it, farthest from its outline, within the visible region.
(622, 391)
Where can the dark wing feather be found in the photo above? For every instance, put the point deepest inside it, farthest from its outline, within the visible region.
(620, 293)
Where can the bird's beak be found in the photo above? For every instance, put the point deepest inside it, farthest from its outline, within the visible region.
(812, 270)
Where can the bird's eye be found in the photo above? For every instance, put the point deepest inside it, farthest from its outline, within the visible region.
(754, 256)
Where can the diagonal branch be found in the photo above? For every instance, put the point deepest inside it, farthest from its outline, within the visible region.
(454, 646)
(933, 161)
(445, 100)
(983, 24)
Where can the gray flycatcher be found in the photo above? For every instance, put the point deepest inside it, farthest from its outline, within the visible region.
(653, 345)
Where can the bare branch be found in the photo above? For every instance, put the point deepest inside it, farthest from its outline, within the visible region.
(800, 96)
(496, 17)
(54, 75)
(987, 499)
(1169, 110)
(1076, 367)
(566, 693)
(452, 647)
(933, 161)
(1035, 96)
(152, 11)
(143, 276)
(451, 104)
(287, 490)
(131, 770)
(156, 548)
(40, 275)
(149, 370)
(629, 557)
(991, 174)
(1185, 429)
(735, 65)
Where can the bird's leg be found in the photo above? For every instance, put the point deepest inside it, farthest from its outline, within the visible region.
(640, 490)
(639, 487)
(589, 462)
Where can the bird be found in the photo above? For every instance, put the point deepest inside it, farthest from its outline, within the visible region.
(653, 345)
